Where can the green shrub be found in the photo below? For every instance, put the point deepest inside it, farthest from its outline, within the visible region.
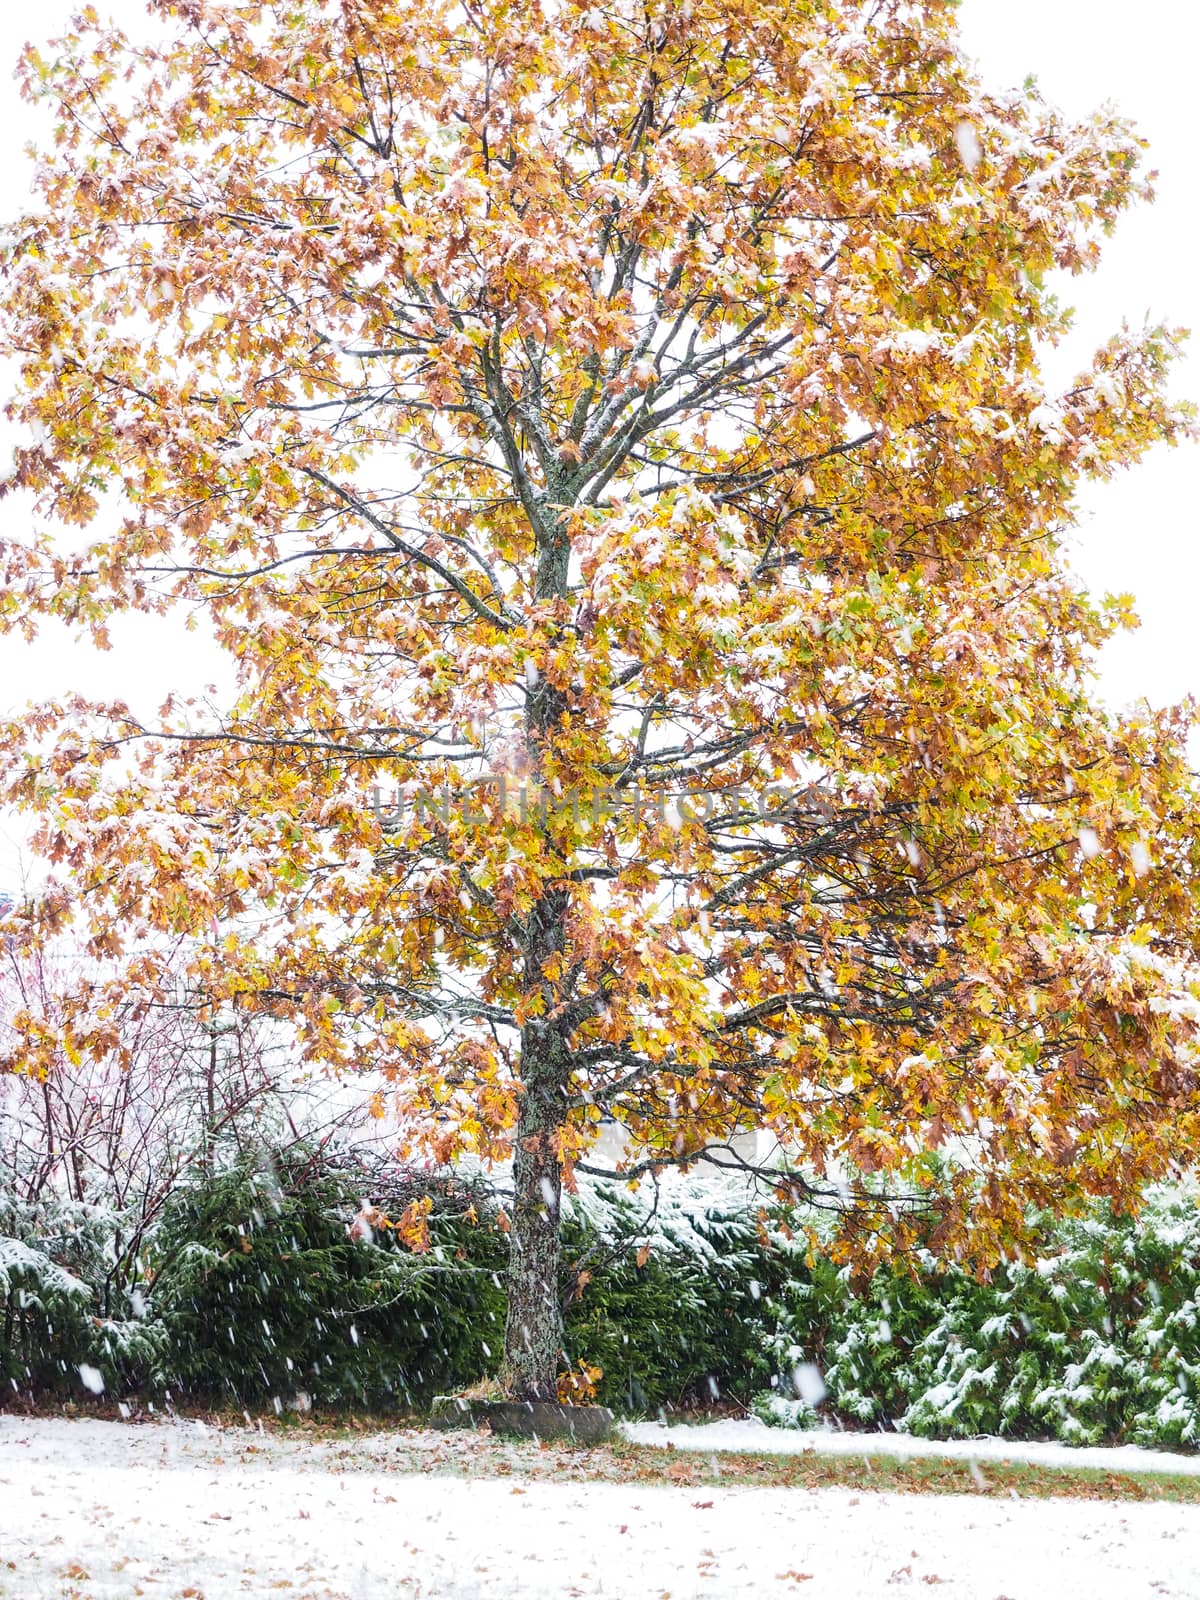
(254, 1292)
(666, 1333)
(262, 1293)
(673, 1306)
(1098, 1341)
(780, 1411)
(45, 1319)
(65, 1309)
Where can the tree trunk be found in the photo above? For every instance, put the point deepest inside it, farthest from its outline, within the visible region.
(533, 1331)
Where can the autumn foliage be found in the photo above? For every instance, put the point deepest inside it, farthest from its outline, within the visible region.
(639, 403)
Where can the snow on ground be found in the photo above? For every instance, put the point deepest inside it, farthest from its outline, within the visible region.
(751, 1435)
(100, 1510)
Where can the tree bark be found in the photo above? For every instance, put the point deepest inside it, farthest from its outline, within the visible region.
(533, 1332)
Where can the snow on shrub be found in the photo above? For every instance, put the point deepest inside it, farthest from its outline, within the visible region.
(50, 1329)
(266, 1290)
(1098, 1341)
(254, 1286)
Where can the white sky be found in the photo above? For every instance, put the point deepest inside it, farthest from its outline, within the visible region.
(1138, 535)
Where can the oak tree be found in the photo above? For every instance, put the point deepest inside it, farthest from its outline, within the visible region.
(609, 438)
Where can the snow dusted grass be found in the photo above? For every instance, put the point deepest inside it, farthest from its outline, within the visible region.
(95, 1510)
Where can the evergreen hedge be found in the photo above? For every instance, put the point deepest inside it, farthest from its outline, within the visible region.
(66, 1305)
(252, 1291)
(263, 1295)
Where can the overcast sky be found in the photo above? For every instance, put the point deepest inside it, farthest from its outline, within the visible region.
(1138, 535)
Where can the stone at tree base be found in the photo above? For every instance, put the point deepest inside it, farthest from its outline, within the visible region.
(449, 1411)
(525, 1419)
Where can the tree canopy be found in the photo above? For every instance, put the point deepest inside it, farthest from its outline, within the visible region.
(611, 442)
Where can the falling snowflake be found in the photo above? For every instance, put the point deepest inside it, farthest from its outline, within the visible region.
(967, 139)
(808, 1383)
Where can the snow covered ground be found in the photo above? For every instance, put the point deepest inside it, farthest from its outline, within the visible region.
(751, 1435)
(97, 1510)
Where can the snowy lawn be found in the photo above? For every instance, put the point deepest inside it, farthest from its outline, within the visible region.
(95, 1509)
